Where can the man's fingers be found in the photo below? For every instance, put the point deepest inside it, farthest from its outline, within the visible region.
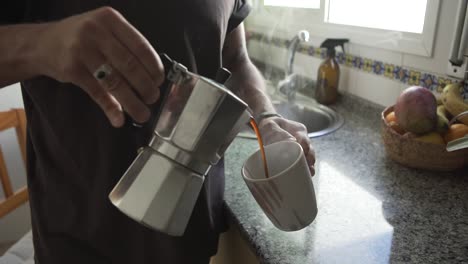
(136, 42)
(312, 152)
(310, 157)
(272, 132)
(312, 170)
(290, 125)
(299, 131)
(106, 101)
(115, 84)
(284, 129)
(132, 70)
(278, 129)
(307, 147)
(302, 139)
(121, 58)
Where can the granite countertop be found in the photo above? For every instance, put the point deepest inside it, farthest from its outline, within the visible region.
(370, 209)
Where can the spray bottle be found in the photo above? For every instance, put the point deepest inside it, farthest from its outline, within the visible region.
(329, 73)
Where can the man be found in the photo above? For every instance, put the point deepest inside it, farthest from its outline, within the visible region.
(79, 144)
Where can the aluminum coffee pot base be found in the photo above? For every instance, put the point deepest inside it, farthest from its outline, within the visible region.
(162, 201)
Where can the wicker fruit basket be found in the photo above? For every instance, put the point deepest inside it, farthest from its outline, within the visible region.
(416, 154)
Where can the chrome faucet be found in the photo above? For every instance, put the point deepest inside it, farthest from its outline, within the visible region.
(289, 85)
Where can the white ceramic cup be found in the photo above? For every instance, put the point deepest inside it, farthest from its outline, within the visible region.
(287, 196)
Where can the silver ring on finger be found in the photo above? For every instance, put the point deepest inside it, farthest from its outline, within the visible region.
(102, 72)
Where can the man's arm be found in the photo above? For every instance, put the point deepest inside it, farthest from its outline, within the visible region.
(247, 82)
(98, 51)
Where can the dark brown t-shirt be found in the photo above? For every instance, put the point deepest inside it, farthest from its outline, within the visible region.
(75, 157)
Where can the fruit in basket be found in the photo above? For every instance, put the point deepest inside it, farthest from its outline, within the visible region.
(396, 127)
(442, 124)
(443, 112)
(442, 119)
(390, 117)
(456, 131)
(416, 110)
(392, 122)
(418, 153)
(432, 137)
(453, 101)
(410, 135)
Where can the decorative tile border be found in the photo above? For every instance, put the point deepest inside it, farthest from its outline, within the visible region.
(394, 72)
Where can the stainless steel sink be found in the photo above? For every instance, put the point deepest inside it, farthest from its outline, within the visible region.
(319, 119)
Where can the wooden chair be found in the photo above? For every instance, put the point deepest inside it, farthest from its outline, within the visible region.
(14, 118)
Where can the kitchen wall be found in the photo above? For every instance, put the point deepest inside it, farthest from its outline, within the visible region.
(17, 223)
(376, 79)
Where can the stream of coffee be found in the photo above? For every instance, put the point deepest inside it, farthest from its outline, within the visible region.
(260, 142)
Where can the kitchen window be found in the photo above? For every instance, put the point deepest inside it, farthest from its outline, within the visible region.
(399, 15)
(398, 25)
(293, 3)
